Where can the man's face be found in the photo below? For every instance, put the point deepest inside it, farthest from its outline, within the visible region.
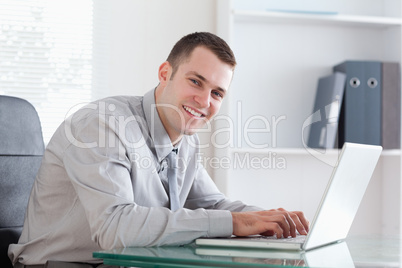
(195, 93)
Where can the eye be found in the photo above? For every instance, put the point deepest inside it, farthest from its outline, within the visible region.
(217, 94)
(194, 81)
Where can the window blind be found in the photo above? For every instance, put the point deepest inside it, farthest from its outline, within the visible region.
(46, 55)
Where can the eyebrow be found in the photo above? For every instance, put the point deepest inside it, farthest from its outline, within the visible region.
(202, 78)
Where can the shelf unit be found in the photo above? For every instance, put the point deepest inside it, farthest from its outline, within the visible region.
(280, 57)
(335, 19)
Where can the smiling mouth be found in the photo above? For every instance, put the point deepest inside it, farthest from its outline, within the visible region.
(192, 112)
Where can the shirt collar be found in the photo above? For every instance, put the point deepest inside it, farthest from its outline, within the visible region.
(161, 141)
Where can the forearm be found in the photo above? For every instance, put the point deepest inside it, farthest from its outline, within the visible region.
(140, 226)
(235, 206)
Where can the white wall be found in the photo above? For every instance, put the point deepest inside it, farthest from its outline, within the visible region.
(141, 35)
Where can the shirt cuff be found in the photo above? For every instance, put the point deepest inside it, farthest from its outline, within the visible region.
(220, 223)
(252, 208)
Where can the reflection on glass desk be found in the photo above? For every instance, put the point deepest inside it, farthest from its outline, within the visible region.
(355, 252)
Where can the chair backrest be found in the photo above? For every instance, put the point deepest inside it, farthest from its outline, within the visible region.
(21, 151)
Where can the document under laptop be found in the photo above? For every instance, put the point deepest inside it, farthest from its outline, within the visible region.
(337, 209)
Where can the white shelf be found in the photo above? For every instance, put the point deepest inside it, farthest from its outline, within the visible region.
(279, 151)
(336, 19)
(281, 55)
(300, 151)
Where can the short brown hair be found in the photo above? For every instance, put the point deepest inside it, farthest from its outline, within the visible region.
(185, 46)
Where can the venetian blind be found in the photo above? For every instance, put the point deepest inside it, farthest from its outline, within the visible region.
(46, 55)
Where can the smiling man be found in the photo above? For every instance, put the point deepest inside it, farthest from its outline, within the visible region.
(108, 177)
(192, 92)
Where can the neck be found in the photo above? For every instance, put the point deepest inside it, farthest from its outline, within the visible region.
(176, 140)
(174, 137)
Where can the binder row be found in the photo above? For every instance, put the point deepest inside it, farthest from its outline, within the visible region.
(360, 102)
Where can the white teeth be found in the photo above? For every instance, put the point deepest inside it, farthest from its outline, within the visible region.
(191, 111)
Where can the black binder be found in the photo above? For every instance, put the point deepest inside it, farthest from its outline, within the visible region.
(327, 104)
(360, 119)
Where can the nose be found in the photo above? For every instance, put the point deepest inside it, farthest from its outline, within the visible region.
(203, 98)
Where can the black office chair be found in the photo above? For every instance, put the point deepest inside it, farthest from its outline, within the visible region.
(21, 151)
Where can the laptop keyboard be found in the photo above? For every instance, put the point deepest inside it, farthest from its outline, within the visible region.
(297, 239)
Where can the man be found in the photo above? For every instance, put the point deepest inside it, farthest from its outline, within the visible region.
(105, 180)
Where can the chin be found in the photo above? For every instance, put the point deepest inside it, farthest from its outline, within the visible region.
(190, 132)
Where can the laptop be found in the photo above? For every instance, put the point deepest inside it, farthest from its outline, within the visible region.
(336, 211)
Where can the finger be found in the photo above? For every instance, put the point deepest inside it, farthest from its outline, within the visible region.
(274, 228)
(268, 233)
(303, 219)
(290, 220)
(292, 224)
(302, 224)
(293, 221)
(283, 221)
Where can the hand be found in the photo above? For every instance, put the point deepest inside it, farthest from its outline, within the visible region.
(277, 222)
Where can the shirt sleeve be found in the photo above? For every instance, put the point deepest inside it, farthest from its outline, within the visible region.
(101, 178)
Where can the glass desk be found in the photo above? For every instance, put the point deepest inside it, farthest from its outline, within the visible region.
(354, 252)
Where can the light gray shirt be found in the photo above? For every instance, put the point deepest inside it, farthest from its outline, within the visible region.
(102, 184)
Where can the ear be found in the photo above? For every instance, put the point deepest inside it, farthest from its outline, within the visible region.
(165, 71)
